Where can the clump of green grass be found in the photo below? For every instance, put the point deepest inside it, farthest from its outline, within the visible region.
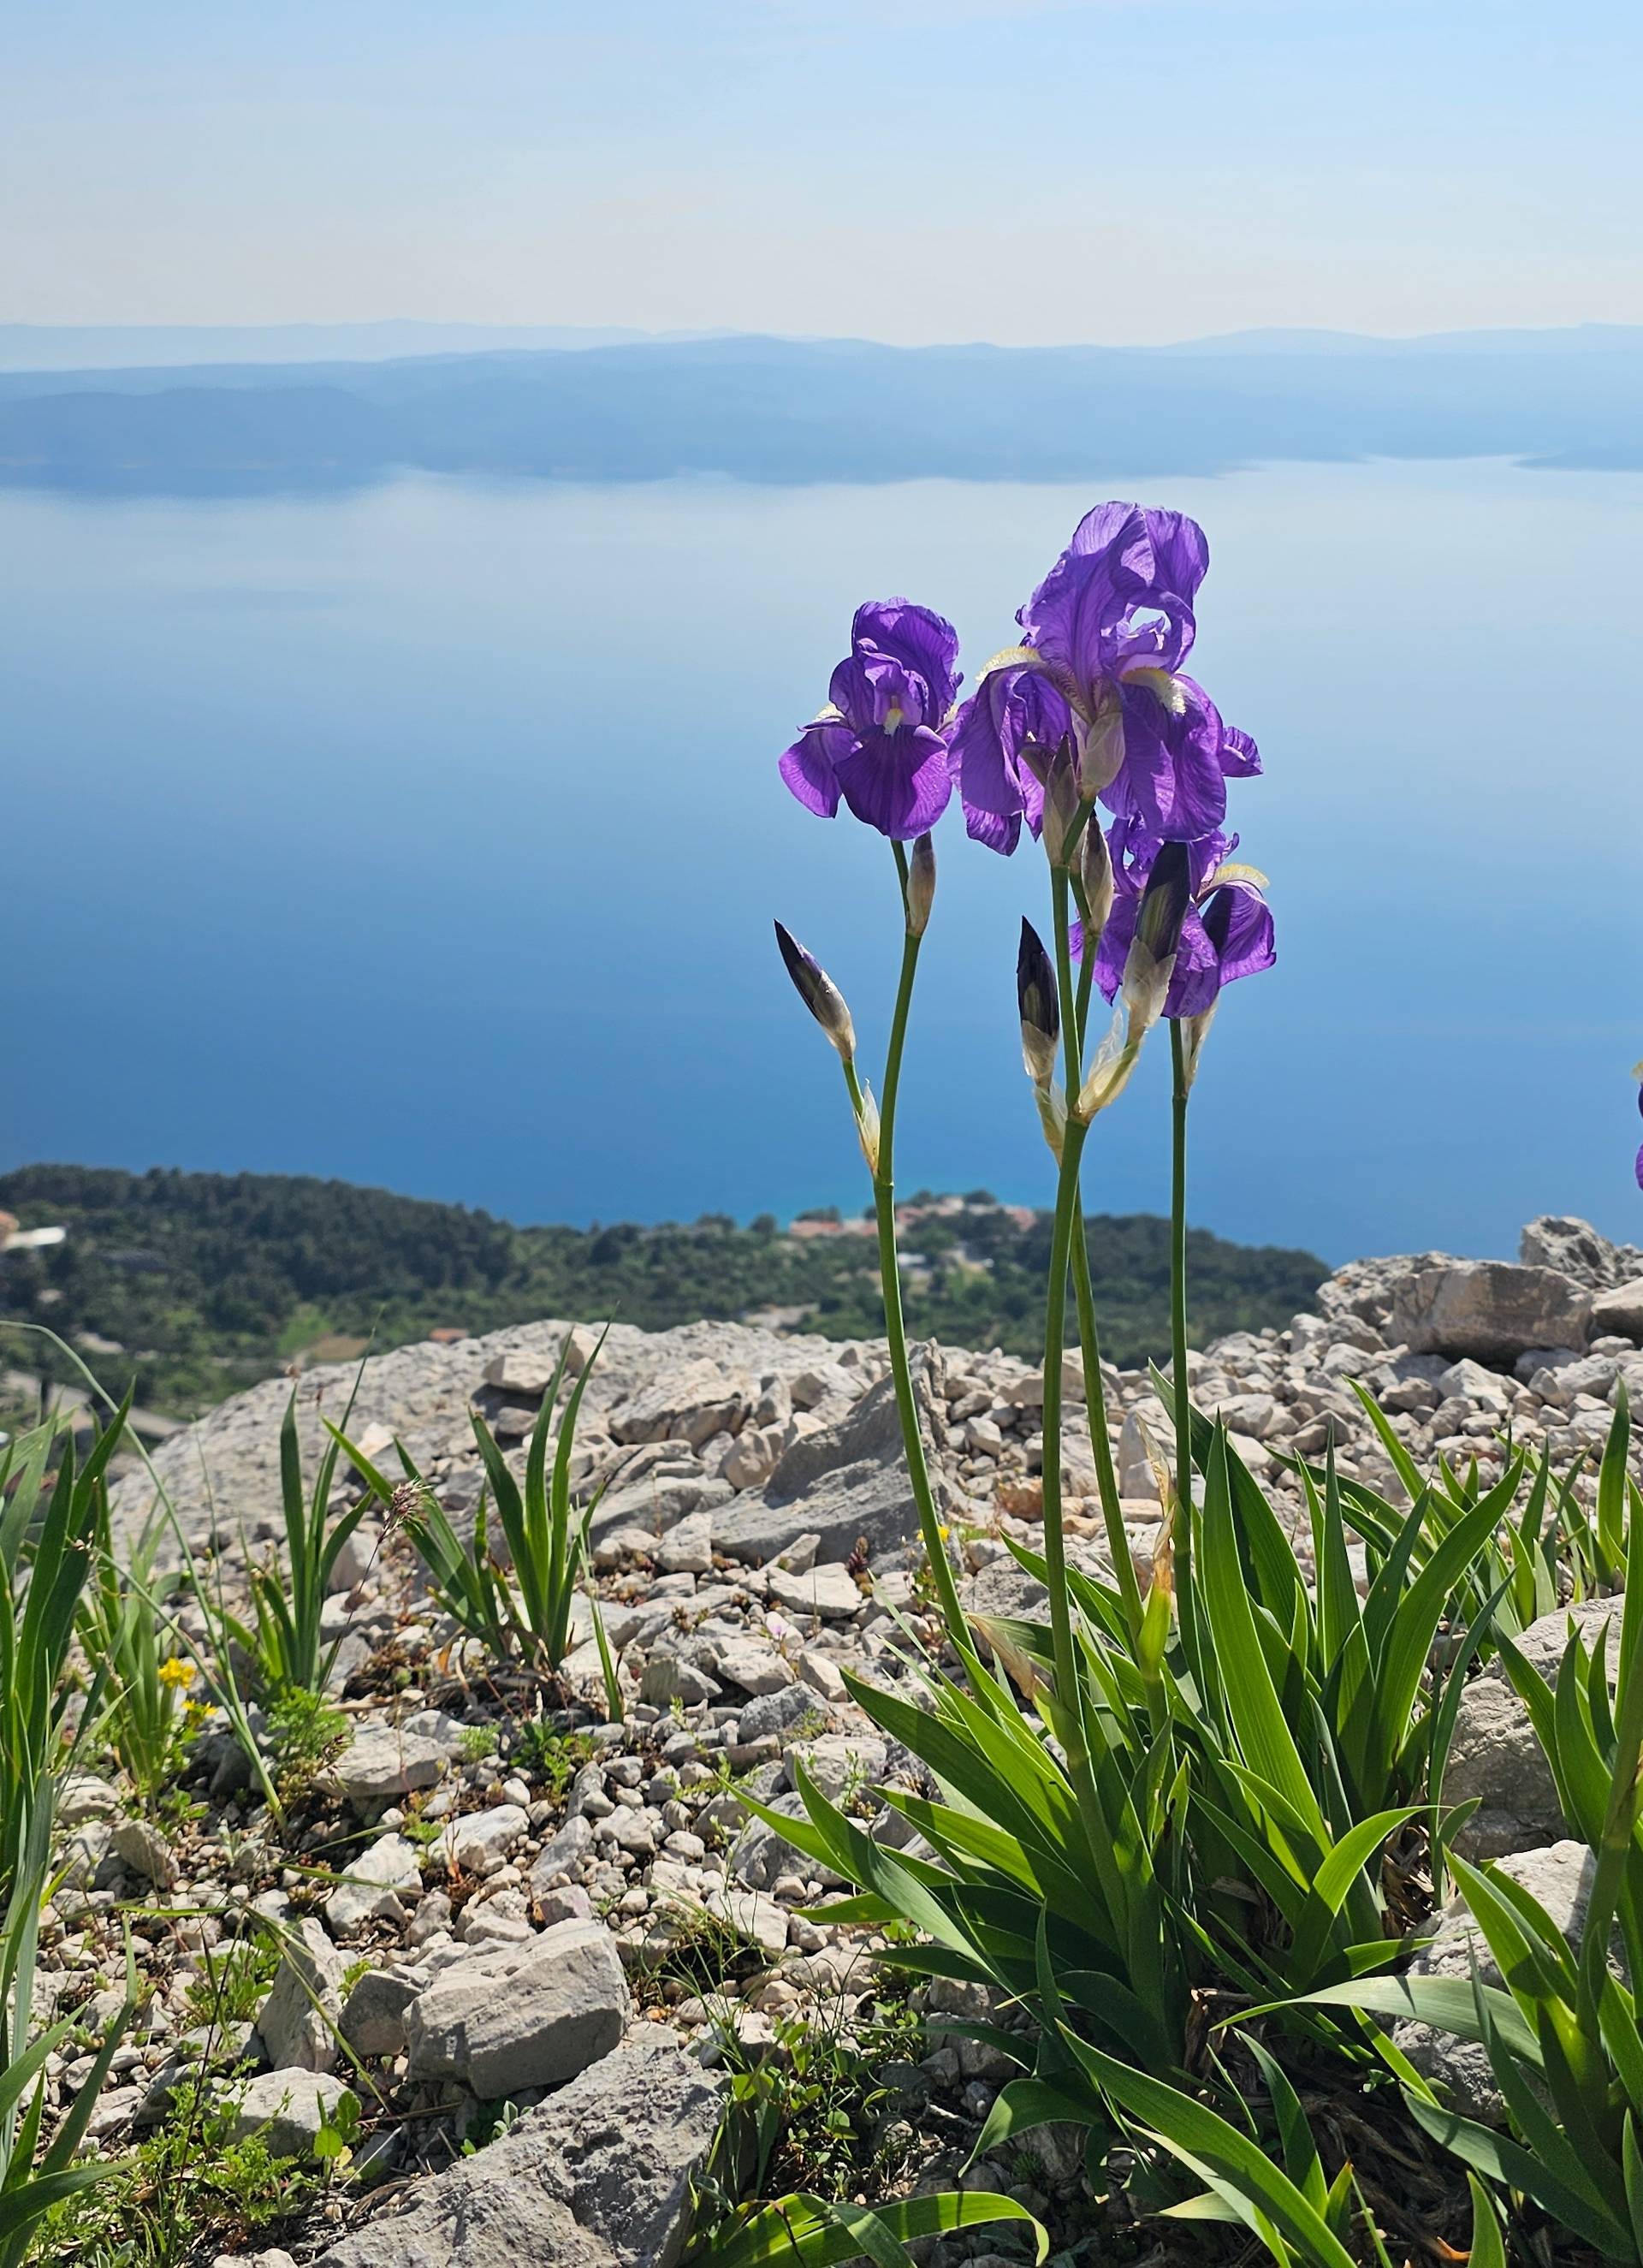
(697, 1953)
(48, 1528)
(186, 2192)
(526, 1608)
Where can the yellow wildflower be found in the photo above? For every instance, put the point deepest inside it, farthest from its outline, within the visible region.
(177, 1672)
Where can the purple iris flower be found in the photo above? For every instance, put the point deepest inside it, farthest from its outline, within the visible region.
(1103, 638)
(1227, 931)
(1639, 1167)
(881, 741)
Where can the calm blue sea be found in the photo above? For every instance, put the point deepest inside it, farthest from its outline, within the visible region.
(430, 835)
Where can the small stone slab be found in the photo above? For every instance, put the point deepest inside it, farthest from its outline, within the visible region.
(829, 1591)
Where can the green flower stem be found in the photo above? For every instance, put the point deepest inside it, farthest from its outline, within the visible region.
(1129, 1912)
(1101, 1439)
(890, 1280)
(1183, 1539)
(1055, 1534)
(1072, 1032)
(1075, 1006)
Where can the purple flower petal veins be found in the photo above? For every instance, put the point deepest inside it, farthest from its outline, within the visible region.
(1226, 932)
(1103, 638)
(881, 743)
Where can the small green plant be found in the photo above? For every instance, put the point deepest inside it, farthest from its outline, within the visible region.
(834, 2136)
(46, 1541)
(173, 1808)
(490, 2122)
(33, 2182)
(48, 1526)
(306, 1736)
(816, 2118)
(288, 1596)
(233, 1982)
(478, 1742)
(555, 1758)
(340, 2130)
(858, 1780)
(421, 1831)
(527, 1612)
(694, 1951)
(146, 1714)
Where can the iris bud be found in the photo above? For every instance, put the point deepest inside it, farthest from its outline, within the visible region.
(1108, 1074)
(1098, 884)
(921, 886)
(818, 992)
(867, 1130)
(1194, 1031)
(1151, 956)
(1061, 804)
(1035, 997)
(1165, 900)
(1101, 757)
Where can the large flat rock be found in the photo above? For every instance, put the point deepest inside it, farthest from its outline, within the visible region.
(1488, 1308)
(597, 2176)
(845, 1482)
(525, 2015)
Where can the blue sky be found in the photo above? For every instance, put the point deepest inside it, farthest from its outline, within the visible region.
(908, 169)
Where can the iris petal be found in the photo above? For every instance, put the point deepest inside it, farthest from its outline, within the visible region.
(1011, 711)
(810, 767)
(897, 782)
(1171, 782)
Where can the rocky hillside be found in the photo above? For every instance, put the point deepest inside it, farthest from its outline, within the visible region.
(575, 1922)
(746, 1438)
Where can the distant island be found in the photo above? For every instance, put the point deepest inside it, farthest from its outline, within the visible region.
(193, 1285)
(791, 410)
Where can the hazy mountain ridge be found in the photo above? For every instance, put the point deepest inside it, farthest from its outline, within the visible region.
(54, 349)
(797, 410)
(124, 346)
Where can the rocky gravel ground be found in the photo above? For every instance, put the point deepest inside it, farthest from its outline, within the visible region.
(578, 1918)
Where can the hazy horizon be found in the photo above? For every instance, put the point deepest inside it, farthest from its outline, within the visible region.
(757, 407)
(390, 337)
